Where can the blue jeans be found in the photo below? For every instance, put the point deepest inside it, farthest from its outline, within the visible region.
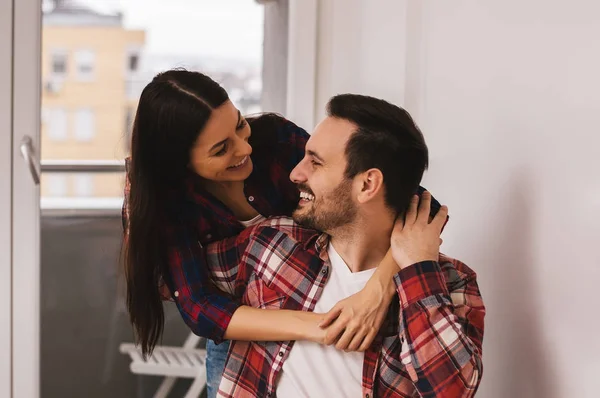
(216, 356)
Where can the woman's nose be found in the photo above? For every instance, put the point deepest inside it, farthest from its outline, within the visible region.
(243, 148)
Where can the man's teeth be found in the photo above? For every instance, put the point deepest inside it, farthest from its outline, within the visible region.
(307, 196)
(241, 162)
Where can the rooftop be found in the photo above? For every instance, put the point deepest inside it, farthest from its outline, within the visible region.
(73, 13)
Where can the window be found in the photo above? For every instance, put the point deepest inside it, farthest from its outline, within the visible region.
(58, 65)
(110, 50)
(133, 62)
(85, 61)
(84, 125)
(133, 58)
(56, 123)
(84, 185)
(106, 51)
(57, 185)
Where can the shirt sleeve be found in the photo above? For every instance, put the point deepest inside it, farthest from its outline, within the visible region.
(441, 329)
(205, 308)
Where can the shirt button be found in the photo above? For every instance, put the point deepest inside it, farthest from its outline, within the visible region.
(209, 236)
(367, 396)
(176, 294)
(280, 353)
(251, 198)
(324, 271)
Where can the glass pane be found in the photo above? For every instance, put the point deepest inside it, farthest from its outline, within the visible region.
(97, 55)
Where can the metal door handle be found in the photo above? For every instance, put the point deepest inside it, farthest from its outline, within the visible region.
(29, 155)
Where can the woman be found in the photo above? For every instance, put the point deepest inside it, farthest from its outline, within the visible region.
(200, 173)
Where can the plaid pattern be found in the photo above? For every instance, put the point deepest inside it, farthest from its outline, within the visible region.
(430, 345)
(194, 218)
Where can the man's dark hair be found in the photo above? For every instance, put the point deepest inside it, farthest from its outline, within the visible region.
(387, 139)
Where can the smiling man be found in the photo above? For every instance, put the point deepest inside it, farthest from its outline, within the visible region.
(363, 164)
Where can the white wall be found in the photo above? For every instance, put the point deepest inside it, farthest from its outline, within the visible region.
(508, 96)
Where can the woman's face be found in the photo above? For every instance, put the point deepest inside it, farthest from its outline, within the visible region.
(221, 152)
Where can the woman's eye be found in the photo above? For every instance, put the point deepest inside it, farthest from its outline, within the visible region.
(222, 151)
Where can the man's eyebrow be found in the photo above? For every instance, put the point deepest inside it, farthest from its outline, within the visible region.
(315, 155)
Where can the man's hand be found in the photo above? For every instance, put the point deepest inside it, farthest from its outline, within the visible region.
(414, 238)
(353, 323)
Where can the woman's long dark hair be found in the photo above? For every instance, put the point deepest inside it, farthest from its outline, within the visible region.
(172, 111)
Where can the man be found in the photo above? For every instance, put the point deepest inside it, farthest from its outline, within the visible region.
(431, 344)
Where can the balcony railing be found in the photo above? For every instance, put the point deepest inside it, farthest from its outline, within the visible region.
(83, 166)
(82, 206)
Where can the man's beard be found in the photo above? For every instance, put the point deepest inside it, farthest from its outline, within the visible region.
(329, 212)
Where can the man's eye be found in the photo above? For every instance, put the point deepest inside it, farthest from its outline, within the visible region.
(242, 124)
(315, 163)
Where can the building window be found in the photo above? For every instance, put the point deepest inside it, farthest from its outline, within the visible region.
(59, 64)
(56, 123)
(85, 61)
(133, 59)
(57, 185)
(133, 62)
(84, 125)
(84, 185)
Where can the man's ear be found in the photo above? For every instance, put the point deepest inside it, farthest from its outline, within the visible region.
(371, 185)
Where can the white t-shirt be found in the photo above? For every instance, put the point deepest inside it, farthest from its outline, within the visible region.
(313, 370)
(254, 221)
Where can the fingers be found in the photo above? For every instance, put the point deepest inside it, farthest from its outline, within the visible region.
(368, 340)
(411, 214)
(344, 341)
(440, 218)
(424, 208)
(330, 316)
(357, 340)
(335, 330)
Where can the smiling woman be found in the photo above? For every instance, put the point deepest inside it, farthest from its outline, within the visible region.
(222, 153)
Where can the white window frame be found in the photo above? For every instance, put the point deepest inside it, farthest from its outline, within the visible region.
(301, 100)
(6, 180)
(26, 80)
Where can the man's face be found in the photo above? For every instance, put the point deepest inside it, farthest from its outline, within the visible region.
(326, 199)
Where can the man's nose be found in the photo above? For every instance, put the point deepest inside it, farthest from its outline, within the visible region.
(297, 175)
